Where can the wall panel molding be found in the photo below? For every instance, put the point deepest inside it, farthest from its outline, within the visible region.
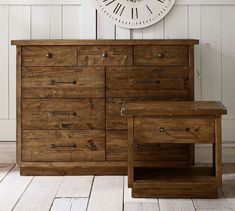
(77, 2)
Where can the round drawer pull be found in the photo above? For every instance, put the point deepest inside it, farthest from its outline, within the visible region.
(49, 55)
(162, 129)
(104, 55)
(136, 145)
(161, 55)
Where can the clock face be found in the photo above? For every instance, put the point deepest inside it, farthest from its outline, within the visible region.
(134, 13)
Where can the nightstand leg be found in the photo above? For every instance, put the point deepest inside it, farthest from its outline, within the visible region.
(130, 151)
(218, 152)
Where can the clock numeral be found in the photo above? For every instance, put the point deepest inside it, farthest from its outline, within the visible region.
(162, 1)
(134, 13)
(149, 9)
(119, 9)
(109, 2)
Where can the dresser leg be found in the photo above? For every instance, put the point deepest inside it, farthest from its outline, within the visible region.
(218, 152)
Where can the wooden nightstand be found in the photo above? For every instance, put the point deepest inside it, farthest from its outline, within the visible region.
(151, 123)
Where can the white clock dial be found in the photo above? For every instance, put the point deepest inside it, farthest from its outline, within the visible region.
(134, 13)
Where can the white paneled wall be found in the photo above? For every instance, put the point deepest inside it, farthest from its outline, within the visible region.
(211, 21)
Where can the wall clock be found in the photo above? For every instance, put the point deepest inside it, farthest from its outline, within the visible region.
(134, 14)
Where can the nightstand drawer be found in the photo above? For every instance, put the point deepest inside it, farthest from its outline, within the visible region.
(161, 55)
(150, 130)
(63, 82)
(62, 145)
(105, 56)
(70, 114)
(49, 56)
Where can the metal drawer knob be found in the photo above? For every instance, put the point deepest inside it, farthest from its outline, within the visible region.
(161, 55)
(162, 129)
(49, 55)
(136, 145)
(104, 55)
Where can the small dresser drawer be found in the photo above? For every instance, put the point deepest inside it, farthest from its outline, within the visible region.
(161, 55)
(63, 82)
(67, 114)
(62, 145)
(151, 130)
(105, 56)
(153, 82)
(49, 56)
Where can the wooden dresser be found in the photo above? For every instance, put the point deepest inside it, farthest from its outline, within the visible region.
(70, 93)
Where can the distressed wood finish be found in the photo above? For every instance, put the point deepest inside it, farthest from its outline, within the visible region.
(63, 82)
(174, 123)
(49, 56)
(70, 145)
(181, 130)
(75, 88)
(153, 82)
(161, 55)
(63, 114)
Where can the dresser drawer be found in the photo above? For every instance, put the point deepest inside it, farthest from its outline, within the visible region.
(63, 114)
(161, 55)
(153, 82)
(62, 145)
(150, 130)
(49, 56)
(105, 56)
(63, 82)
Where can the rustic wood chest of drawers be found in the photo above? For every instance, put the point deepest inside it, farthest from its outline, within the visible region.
(151, 123)
(70, 93)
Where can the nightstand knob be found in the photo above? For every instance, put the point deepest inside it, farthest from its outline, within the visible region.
(104, 55)
(136, 145)
(161, 55)
(162, 129)
(49, 55)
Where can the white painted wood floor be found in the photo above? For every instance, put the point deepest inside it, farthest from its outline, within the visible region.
(100, 193)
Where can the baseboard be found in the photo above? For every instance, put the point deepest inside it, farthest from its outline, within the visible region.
(203, 154)
(7, 152)
(8, 130)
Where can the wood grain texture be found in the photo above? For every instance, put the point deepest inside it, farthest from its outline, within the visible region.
(63, 114)
(174, 130)
(161, 55)
(49, 56)
(63, 82)
(54, 145)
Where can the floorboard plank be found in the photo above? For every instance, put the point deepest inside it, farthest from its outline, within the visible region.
(75, 186)
(228, 189)
(11, 188)
(141, 206)
(69, 204)
(128, 197)
(107, 194)
(176, 205)
(212, 204)
(5, 169)
(40, 194)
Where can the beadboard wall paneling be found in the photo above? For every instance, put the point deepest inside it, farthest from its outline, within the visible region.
(210, 21)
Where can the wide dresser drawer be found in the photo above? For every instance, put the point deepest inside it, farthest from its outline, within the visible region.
(180, 130)
(63, 145)
(161, 55)
(49, 56)
(142, 82)
(63, 82)
(82, 114)
(105, 56)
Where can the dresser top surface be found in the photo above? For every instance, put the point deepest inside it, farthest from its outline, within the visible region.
(107, 42)
(170, 108)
